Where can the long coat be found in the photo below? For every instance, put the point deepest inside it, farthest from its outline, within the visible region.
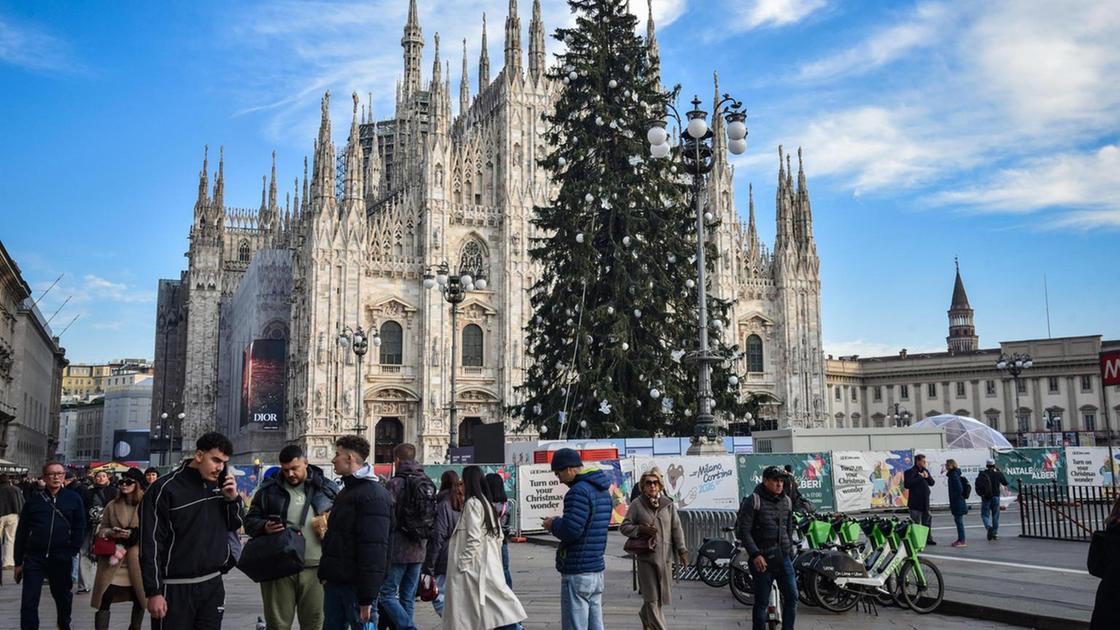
(476, 595)
(120, 514)
(655, 569)
(957, 504)
(1106, 606)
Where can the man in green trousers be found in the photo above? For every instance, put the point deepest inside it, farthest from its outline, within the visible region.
(298, 490)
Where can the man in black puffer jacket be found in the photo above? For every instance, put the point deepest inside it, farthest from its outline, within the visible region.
(186, 519)
(356, 547)
(765, 526)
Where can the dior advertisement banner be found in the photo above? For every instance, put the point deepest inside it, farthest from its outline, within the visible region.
(263, 383)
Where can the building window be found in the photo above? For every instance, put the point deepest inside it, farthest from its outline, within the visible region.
(472, 346)
(853, 394)
(1090, 420)
(904, 392)
(960, 389)
(1086, 383)
(993, 419)
(392, 344)
(877, 392)
(471, 260)
(989, 388)
(931, 390)
(1021, 385)
(1052, 385)
(754, 353)
(243, 252)
(837, 392)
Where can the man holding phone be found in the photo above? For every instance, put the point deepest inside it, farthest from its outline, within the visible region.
(185, 546)
(765, 527)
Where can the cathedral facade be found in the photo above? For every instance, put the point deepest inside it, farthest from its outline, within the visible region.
(427, 187)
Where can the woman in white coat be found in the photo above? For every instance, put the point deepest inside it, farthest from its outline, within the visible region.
(477, 597)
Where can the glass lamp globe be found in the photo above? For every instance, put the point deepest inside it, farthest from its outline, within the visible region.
(1028, 363)
(429, 282)
(343, 340)
(1018, 363)
(465, 279)
(480, 284)
(736, 130)
(737, 147)
(376, 340)
(697, 127)
(441, 278)
(656, 135)
(659, 150)
(734, 380)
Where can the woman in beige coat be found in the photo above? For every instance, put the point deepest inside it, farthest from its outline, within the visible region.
(654, 516)
(477, 597)
(118, 577)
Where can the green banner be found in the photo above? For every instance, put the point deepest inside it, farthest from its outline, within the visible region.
(507, 471)
(813, 472)
(1033, 465)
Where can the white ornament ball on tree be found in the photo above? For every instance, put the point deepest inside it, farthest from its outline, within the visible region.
(637, 312)
(561, 161)
(690, 283)
(625, 346)
(626, 241)
(612, 84)
(589, 197)
(655, 393)
(572, 75)
(610, 309)
(708, 217)
(579, 237)
(733, 380)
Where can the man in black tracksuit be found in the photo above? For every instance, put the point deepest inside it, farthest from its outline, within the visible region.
(765, 527)
(185, 547)
(51, 527)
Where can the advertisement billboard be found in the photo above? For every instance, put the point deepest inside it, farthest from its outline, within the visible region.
(131, 445)
(263, 384)
(813, 472)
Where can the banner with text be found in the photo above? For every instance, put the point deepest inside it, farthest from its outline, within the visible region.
(813, 472)
(1032, 465)
(540, 494)
(697, 482)
(1089, 466)
(970, 460)
(870, 479)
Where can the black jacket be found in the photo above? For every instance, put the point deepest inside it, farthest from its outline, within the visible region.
(435, 559)
(50, 525)
(995, 480)
(918, 499)
(356, 547)
(185, 523)
(792, 490)
(273, 499)
(11, 500)
(768, 529)
(1106, 606)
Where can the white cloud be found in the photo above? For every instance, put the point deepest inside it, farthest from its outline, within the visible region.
(775, 13)
(665, 12)
(921, 29)
(865, 348)
(30, 47)
(1088, 181)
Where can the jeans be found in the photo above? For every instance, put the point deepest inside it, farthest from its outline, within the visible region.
(505, 564)
(398, 593)
(56, 570)
(581, 601)
(959, 520)
(340, 608)
(437, 603)
(787, 585)
(989, 513)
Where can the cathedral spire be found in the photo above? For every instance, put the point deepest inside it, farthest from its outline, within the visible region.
(437, 69)
(782, 203)
(272, 184)
(220, 181)
(513, 41)
(536, 42)
(962, 328)
(373, 174)
(203, 181)
(306, 193)
(322, 183)
(464, 85)
(805, 213)
(353, 187)
(264, 198)
(719, 140)
(295, 202)
(413, 43)
(483, 61)
(651, 35)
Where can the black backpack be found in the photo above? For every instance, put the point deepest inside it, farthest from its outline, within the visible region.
(983, 485)
(966, 488)
(416, 507)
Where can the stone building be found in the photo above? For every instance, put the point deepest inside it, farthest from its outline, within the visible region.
(127, 408)
(1064, 383)
(80, 425)
(427, 187)
(169, 368)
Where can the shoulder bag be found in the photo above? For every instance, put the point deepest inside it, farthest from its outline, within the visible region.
(274, 556)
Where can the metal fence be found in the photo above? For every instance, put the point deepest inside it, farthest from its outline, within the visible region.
(1060, 512)
(701, 524)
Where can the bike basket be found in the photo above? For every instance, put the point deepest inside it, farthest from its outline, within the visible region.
(917, 535)
(849, 532)
(819, 533)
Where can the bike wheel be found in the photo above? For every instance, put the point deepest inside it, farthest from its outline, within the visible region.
(742, 586)
(922, 598)
(711, 573)
(893, 597)
(830, 596)
(803, 594)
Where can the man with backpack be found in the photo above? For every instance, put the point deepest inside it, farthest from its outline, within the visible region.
(765, 527)
(414, 509)
(989, 484)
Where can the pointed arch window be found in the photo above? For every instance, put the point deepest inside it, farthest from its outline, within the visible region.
(392, 343)
(754, 353)
(471, 259)
(243, 252)
(472, 346)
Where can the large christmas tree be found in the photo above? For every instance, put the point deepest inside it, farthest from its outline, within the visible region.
(614, 313)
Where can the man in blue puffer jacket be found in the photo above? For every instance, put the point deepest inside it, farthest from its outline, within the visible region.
(582, 531)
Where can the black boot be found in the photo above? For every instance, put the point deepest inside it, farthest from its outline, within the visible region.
(137, 620)
(101, 620)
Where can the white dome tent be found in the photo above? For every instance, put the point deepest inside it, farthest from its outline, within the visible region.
(964, 432)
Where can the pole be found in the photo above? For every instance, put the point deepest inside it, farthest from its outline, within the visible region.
(453, 442)
(1018, 418)
(358, 428)
(1108, 430)
(704, 417)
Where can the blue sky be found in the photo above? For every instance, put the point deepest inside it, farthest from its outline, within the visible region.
(988, 131)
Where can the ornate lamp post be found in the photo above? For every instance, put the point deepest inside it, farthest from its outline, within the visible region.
(695, 154)
(901, 416)
(166, 428)
(454, 288)
(358, 340)
(1014, 365)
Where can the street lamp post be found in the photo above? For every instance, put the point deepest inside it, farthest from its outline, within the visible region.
(454, 288)
(696, 156)
(358, 340)
(901, 416)
(166, 428)
(1054, 425)
(1014, 365)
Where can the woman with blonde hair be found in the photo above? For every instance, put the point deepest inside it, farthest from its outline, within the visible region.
(957, 504)
(653, 530)
(118, 575)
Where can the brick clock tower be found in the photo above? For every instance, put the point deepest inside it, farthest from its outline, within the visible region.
(962, 330)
